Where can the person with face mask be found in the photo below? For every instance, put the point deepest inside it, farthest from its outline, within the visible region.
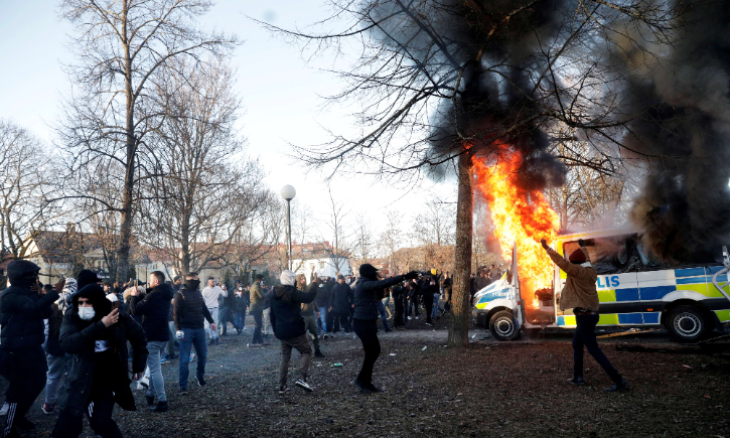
(95, 335)
(580, 294)
(368, 292)
(23, 307)
(190, 313)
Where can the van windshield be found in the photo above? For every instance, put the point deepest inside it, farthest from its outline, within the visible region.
(621, 254)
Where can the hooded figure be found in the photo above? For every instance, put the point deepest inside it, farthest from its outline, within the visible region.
(367, 291)
(22, 360)
(95, 336)
(289, 327)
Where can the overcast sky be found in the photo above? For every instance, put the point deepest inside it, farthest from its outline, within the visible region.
(280, 92)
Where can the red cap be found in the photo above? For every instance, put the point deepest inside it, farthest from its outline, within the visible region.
(578, 256)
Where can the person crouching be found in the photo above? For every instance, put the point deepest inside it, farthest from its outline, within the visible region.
(96, 338)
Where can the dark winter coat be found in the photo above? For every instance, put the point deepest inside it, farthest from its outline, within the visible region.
(78, 339)
(53, 345)
(154, 308)
(366, 296)
(22, 312)
(324, 294)
(239, 303)
(286, 318)
(189, 309)
(342, 298)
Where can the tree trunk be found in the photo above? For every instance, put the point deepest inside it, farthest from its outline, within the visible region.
(459, 325)
(125, 232)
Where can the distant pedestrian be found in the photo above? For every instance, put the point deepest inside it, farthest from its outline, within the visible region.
(368, 291)
(190, 313)
(580, 294)
(257, 309)
(342, 302)
(289, 328)
(310, 311)
(211, 294)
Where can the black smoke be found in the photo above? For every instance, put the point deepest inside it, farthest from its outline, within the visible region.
(682, 133)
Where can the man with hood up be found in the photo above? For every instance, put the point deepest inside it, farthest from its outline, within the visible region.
(580, 294)
(289, 328)
(23, 307)
(96, 338)
(154, 307)
(368, 291)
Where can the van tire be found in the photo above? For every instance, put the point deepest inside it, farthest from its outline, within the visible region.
(687, 323)
(503, 326)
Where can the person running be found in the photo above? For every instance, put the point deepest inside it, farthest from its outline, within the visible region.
(309, 310)
(211, 294)
(23, 307)
(289, 328)
(96, 336)
(153, 308)
(190, 313)
(368, 291)
(580, 294)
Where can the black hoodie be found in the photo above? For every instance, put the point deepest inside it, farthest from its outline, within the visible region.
(286, 318)
(154, 308)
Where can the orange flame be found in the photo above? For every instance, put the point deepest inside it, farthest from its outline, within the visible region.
(519, 216)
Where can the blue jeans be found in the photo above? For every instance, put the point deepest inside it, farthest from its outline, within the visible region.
(193, 338)
(216, 319)
(56, 370)
(157, 382)
(436, 309)
(383, 315)
(238, 320)
(323, 318)
(585, 335)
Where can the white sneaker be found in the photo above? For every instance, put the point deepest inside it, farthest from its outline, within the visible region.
(302, 383)
(4, 410)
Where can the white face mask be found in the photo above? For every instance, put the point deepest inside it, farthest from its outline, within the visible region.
(86, 313)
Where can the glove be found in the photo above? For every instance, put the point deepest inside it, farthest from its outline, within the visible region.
(180, 335)
(544, 243)
(411, 275)
(581, 243)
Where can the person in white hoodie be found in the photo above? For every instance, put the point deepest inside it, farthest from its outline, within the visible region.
(211, 293)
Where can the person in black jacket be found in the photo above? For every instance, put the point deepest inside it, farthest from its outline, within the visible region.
(189, 312)
(154, 307)
(23, 307)
(399, 297)
(342, 301)
(367, 293)
(289, 328)
(96, 336)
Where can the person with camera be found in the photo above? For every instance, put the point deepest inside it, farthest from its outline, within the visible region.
(368, 291)
(95, 335)
(580, 294)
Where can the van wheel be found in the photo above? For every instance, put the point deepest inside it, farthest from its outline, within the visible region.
(687, 324)
(503, 326)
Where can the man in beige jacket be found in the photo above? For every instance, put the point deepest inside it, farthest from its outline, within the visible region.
(579, 293)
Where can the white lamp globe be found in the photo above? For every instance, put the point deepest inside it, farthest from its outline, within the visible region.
(288, 192)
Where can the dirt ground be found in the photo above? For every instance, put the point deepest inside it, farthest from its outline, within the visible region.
(491, 389)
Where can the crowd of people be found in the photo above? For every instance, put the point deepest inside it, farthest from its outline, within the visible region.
(85, 341)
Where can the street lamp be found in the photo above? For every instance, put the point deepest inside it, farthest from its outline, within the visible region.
(288, 193)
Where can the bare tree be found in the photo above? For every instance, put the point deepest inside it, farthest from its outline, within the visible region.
(123, 48)
(25, 182)
(447, 82)
(338, 229)
(363, 239)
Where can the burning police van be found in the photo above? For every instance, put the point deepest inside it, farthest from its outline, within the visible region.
(689, 295)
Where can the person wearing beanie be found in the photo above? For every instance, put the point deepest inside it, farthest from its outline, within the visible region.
(580, 294)
(289, 328)
(87, 277)
(95, 335)
(368, 291)
(23, 307)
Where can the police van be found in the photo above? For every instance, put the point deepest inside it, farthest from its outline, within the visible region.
(690, 296)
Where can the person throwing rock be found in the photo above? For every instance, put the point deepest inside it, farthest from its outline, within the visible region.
(579, 293)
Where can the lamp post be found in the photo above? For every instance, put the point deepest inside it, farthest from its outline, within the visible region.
(288, 193)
